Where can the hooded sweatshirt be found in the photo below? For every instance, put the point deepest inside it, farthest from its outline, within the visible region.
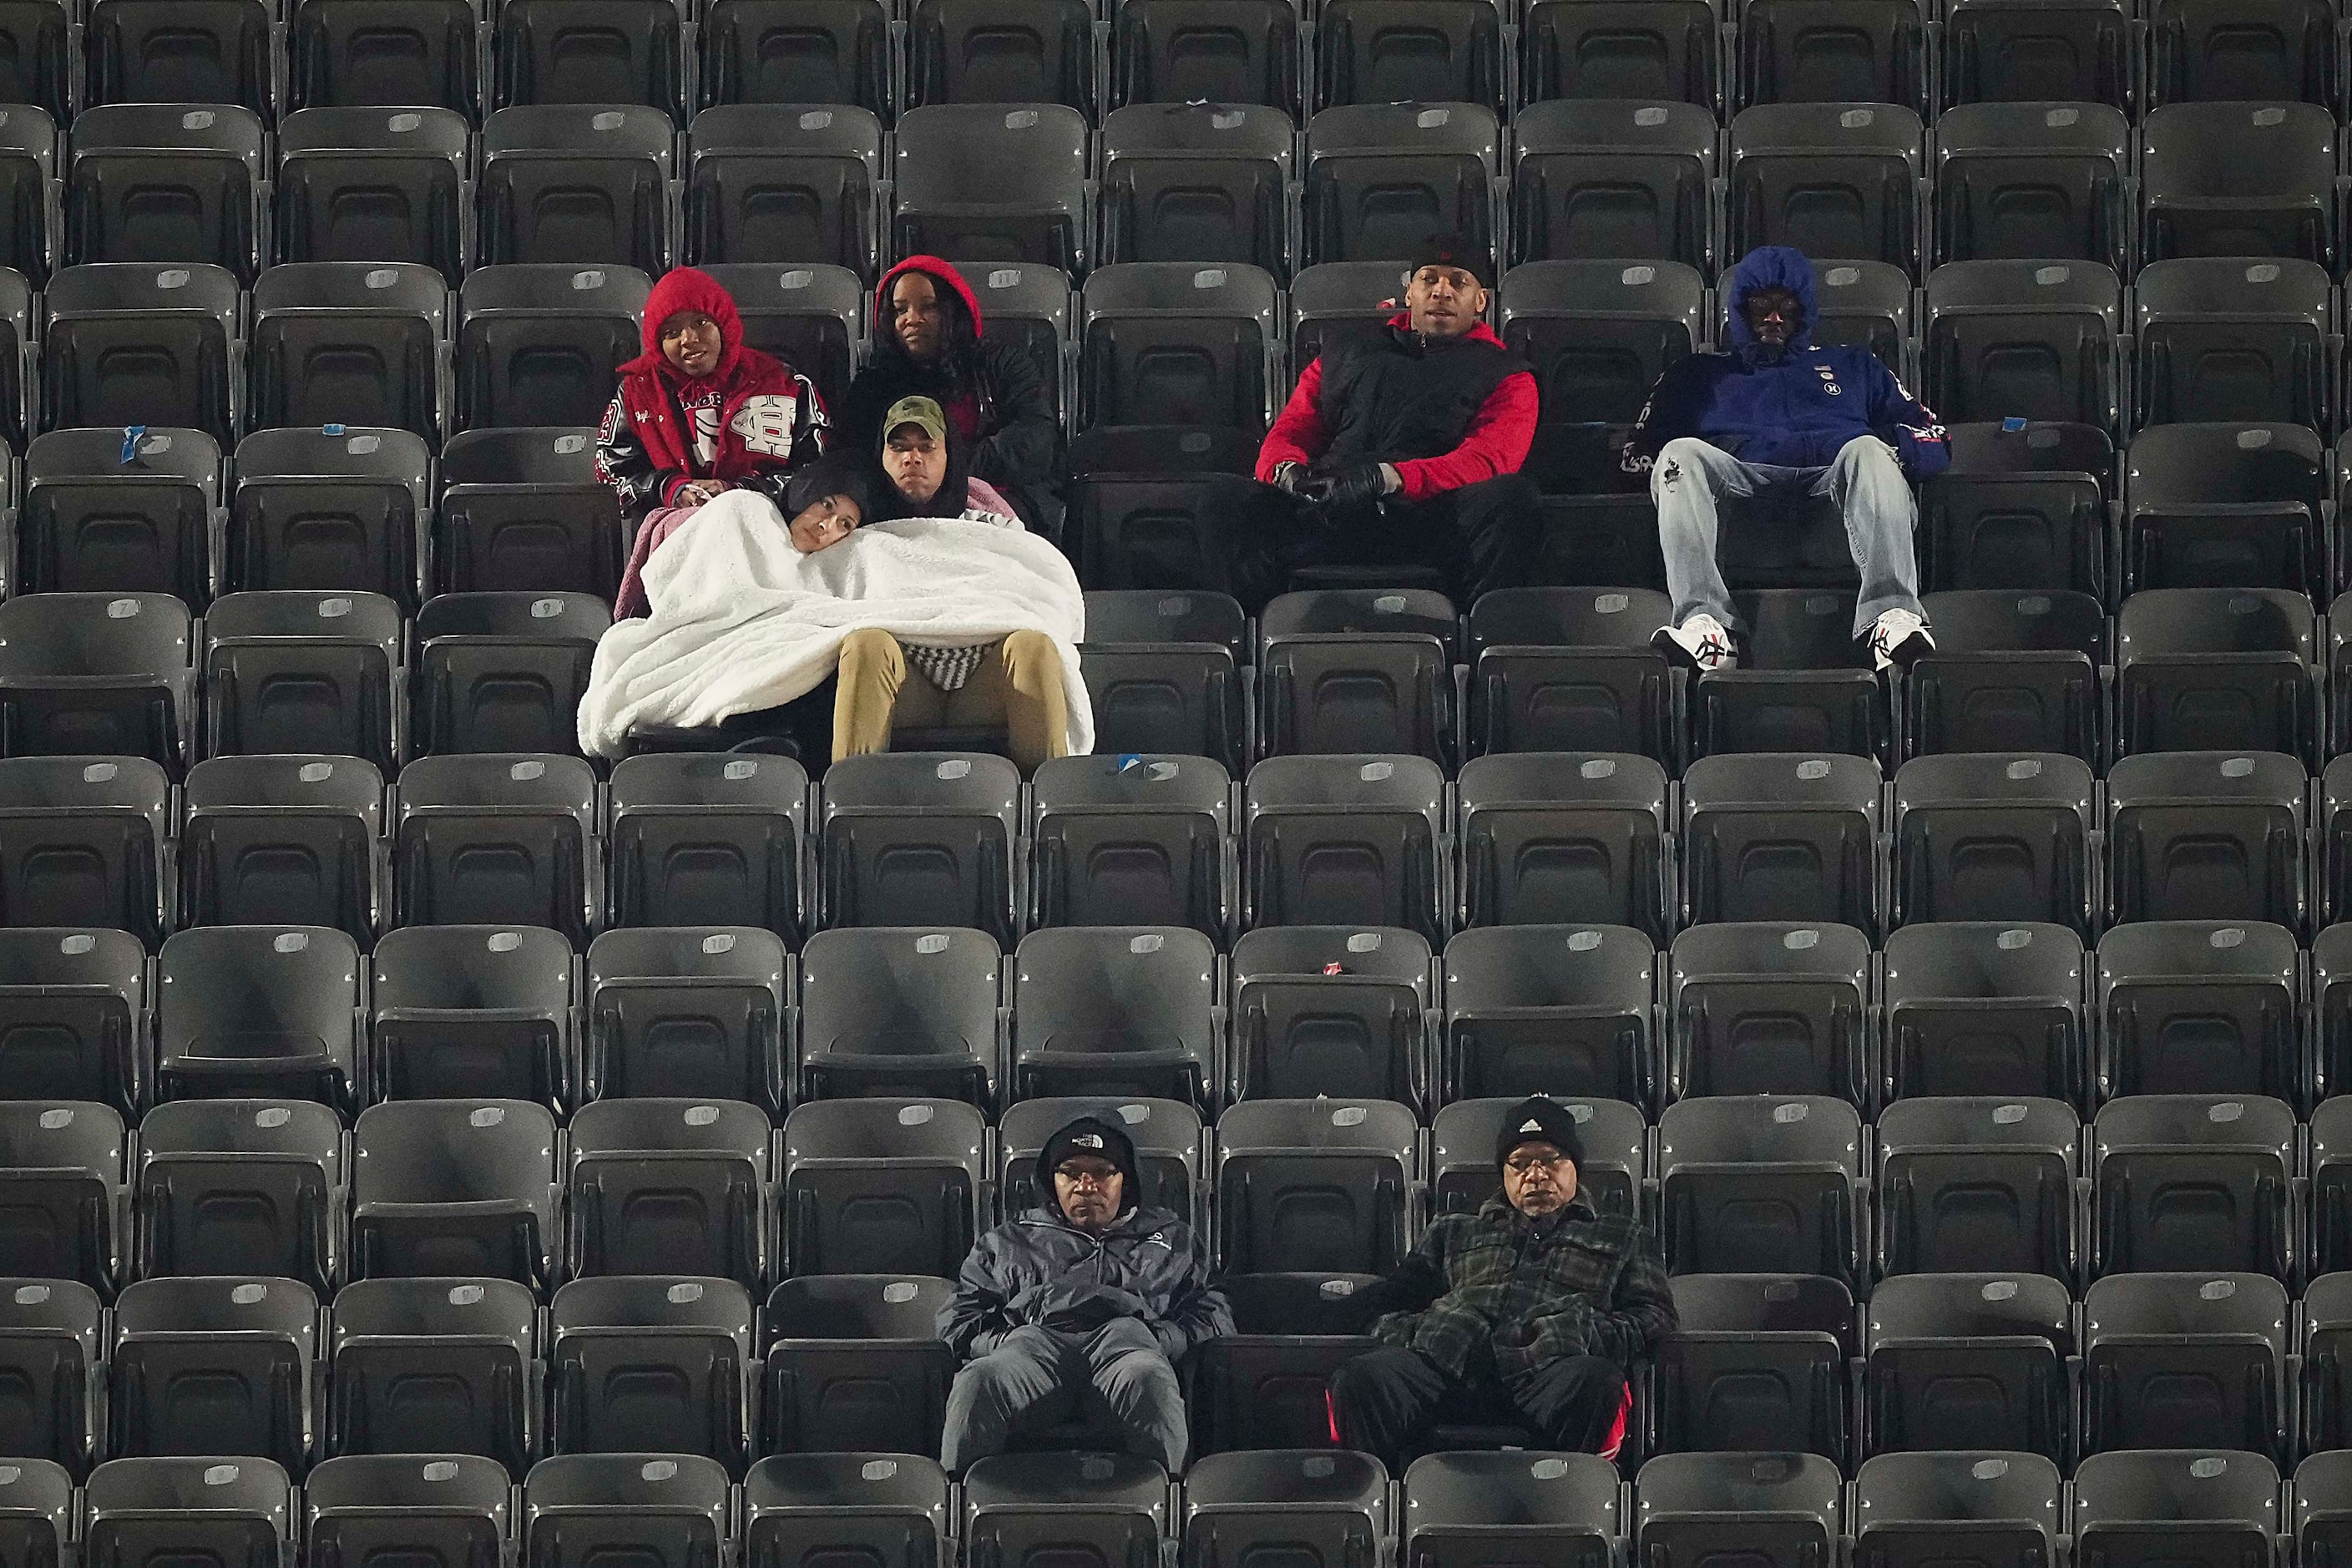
(1041, 1270)
(1002, 411)
(1446, 412)
(750, 422)
(1792, 407)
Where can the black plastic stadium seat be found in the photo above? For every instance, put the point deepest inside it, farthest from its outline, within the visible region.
(373, 184)
(853, 1360)
(242, 1186)
(93, 522)
(1993, 1507)
(82, 836)
(455, 1187)
(346, 513)
(132, 343)
(784, 185)
(444, 1366)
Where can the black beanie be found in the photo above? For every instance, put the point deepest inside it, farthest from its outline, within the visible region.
(1453, 250)
(1089, 1135)
(1538, 1119)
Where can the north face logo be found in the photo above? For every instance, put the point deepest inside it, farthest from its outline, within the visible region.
(1088, 1140)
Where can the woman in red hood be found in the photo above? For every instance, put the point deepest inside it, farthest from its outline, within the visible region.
(699, 411)
(927, 343)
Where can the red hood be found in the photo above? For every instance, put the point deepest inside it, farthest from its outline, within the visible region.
(689, 288)
(1479, 332)
(941, 272)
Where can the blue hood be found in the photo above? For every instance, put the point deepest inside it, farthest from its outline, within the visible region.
(1772, 267)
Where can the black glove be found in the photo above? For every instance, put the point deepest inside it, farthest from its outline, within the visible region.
(1291, 478)
(1344, 490)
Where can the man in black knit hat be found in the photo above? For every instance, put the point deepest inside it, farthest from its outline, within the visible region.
(1530, 1312)
(1086, 1301)
(1402, 446)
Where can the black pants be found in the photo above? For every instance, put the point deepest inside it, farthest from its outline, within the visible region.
(1479, 537)
(1384, 1399)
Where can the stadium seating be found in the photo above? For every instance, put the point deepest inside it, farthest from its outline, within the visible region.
(421, 1142)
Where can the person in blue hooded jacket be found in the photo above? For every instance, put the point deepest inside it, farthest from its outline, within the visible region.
(1778, 412)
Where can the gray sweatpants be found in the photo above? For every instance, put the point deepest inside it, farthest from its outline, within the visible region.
(1032, 1368)
(1865, 479)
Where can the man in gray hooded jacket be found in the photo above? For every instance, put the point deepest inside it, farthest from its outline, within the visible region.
(1089, 1293)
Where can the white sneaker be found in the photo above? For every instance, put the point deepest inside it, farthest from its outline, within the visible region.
(1701, 642)
(1899, 636)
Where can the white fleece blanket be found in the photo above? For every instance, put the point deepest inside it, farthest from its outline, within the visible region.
(742, 621)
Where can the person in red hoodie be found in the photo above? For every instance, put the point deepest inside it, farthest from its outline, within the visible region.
(927, 343)
(701, 412)
(1402, 447)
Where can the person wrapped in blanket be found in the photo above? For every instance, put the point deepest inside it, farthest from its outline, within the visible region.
(1015, 680)
(700, 413)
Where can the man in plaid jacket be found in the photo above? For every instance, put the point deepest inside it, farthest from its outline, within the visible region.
(1530, 1312)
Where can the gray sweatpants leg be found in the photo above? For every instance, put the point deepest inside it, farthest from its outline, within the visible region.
(1866, 481)
(1134, 1380)
(1032, 1366)
(993, 1393)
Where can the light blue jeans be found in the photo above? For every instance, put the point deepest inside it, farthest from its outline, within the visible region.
(1865, 479)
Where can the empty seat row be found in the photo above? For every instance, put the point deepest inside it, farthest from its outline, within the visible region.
(363, 515)
(1979, 1007)
(945, 51)
(942, 840)
(1541, 838)
(2166, 1359)
(1563, 670)
(1782, 1508)
(796, 184)
(124, 343)
(128, 675)
(678, 1509)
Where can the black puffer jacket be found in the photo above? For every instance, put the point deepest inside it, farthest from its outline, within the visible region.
(1042, 1269)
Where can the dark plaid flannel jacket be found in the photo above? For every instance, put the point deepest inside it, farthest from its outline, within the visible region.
(1580, 1283)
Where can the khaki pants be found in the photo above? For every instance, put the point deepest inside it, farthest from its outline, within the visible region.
(1017, 684)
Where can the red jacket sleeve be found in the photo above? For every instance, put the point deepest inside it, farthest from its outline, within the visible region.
(1298, 435)
(1496, 443)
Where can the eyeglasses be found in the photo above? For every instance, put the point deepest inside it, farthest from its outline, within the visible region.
(1080, 1176)
(1527, 1165)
